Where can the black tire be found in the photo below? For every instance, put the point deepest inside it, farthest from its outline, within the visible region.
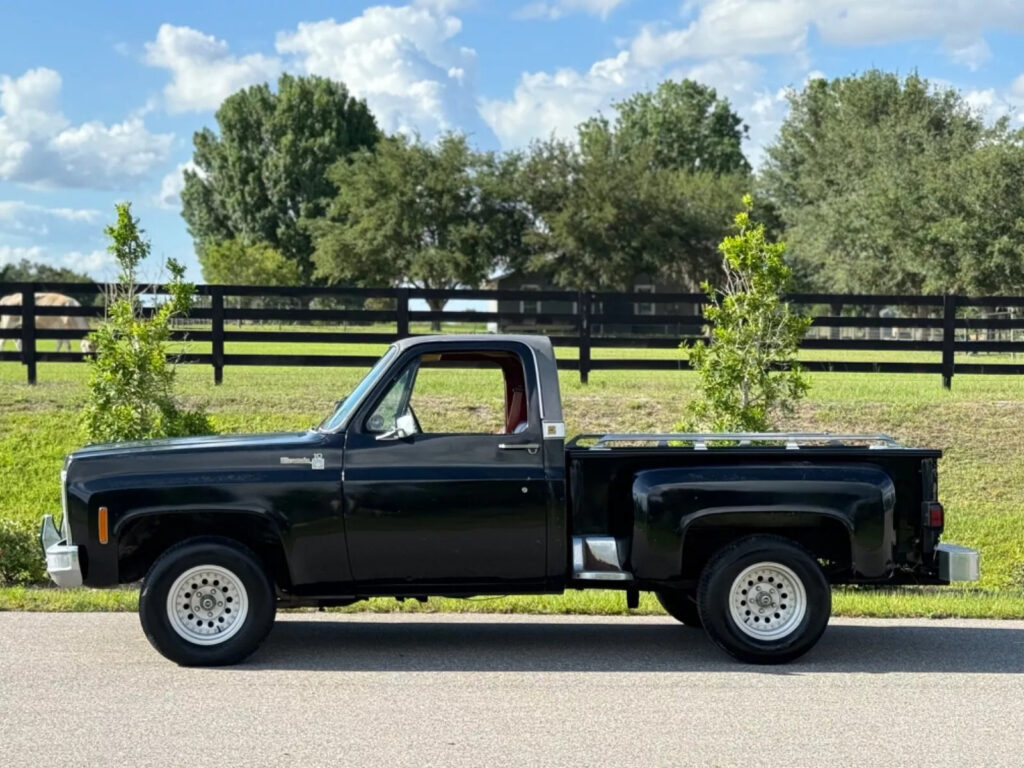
(681, 605)
(254, 591)
(796, 631)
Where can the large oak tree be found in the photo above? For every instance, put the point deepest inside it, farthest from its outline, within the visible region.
(428, 215)
(651, 193)
(264, 171)
(895, 185)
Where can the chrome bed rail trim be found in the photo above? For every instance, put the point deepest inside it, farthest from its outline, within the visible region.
(701, 440)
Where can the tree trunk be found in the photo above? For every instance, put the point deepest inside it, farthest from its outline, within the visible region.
(436, 305)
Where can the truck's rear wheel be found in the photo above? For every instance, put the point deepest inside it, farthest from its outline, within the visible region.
(681, 605)
(207, 602)
(764, 599)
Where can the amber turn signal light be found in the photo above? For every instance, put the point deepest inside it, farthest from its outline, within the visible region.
(101, 522)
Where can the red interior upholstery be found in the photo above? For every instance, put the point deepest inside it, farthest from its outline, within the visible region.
(516, 408)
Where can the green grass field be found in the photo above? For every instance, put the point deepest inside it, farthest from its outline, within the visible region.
(979, 424)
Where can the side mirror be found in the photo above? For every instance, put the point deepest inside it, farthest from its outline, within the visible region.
(405, 426)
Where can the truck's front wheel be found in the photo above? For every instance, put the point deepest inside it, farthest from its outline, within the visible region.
(207, 602)
(764, 599)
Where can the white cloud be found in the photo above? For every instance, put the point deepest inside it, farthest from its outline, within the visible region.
(560, 8)
(402, 60)
(96, 264)
(39, 146)
(969, 53)
(172, 185)
(13, 254)
(546, 103)
(1017, 88)
(717, 44)
(757, 27)
(21, 219)
(204, 72)
(93, 263)
(994, 103)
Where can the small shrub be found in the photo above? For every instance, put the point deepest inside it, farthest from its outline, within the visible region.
(21, 559)
(748, 372)
(131, 384)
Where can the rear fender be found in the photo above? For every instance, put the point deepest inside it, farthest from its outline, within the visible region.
(671, 504)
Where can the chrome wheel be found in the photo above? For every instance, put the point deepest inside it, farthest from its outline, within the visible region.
(207, 605)
(767, 601)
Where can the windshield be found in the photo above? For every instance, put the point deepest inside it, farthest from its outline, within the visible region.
(344, 410)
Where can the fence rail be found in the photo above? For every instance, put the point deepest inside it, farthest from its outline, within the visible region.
(944, 324)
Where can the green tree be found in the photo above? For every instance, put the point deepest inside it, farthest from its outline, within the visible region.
(748, 371)
(131, 384)
(409, 213)
(894, 185)
(265, 171)
(604, 212)
(985, 219)
(26, 271)
(235, 262)
(686, 126)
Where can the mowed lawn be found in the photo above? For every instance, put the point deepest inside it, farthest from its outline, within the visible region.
(979, 424)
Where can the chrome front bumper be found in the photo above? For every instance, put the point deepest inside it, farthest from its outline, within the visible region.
(957, 563)
(61, 558)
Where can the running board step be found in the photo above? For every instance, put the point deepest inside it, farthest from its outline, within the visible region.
(598, 558)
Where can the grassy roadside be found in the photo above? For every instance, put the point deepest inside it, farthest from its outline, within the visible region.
(925, 603)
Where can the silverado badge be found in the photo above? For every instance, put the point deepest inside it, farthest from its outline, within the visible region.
(317, 462)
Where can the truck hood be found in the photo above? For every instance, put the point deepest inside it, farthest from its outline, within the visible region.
(282, 440)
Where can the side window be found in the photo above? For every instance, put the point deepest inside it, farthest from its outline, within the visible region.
(384, 417)
(464, 392)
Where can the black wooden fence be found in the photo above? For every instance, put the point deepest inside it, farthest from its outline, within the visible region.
(585, 320)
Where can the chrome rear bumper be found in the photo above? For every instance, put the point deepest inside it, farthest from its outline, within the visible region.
(957, 563)
(61, 558)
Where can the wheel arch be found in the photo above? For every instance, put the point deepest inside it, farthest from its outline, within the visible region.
(826, 533)
(142, 535)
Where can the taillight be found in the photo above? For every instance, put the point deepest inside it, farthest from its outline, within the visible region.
(934, 514)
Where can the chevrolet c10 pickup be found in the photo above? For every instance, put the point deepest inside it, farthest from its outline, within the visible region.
(741, 534)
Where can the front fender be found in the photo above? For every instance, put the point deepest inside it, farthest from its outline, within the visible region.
(669, 503)
(132, 528)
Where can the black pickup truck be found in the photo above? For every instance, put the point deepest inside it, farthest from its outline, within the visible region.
(743, 534)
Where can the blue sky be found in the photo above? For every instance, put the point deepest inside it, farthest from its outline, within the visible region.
(99, 100)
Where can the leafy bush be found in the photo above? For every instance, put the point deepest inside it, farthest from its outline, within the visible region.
(131, 384)
(21, 560)
(748, 372)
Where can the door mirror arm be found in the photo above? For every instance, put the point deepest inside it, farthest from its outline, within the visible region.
(405, 426)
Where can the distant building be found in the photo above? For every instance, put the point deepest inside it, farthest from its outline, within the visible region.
(537, 312)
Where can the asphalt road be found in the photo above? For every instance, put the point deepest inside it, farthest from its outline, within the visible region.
(472, 690)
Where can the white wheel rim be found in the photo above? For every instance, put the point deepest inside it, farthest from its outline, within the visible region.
(207, 605)
(767, 601)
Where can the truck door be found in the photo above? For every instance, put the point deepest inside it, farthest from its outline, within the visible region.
(448, 490)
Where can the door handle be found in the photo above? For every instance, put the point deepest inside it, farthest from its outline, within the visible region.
(531, 447)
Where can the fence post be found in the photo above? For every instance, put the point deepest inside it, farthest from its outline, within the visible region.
(217, 327)
(949, 303)
(28, 332)
(835, 332)
(583, 304)
(402, 310)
